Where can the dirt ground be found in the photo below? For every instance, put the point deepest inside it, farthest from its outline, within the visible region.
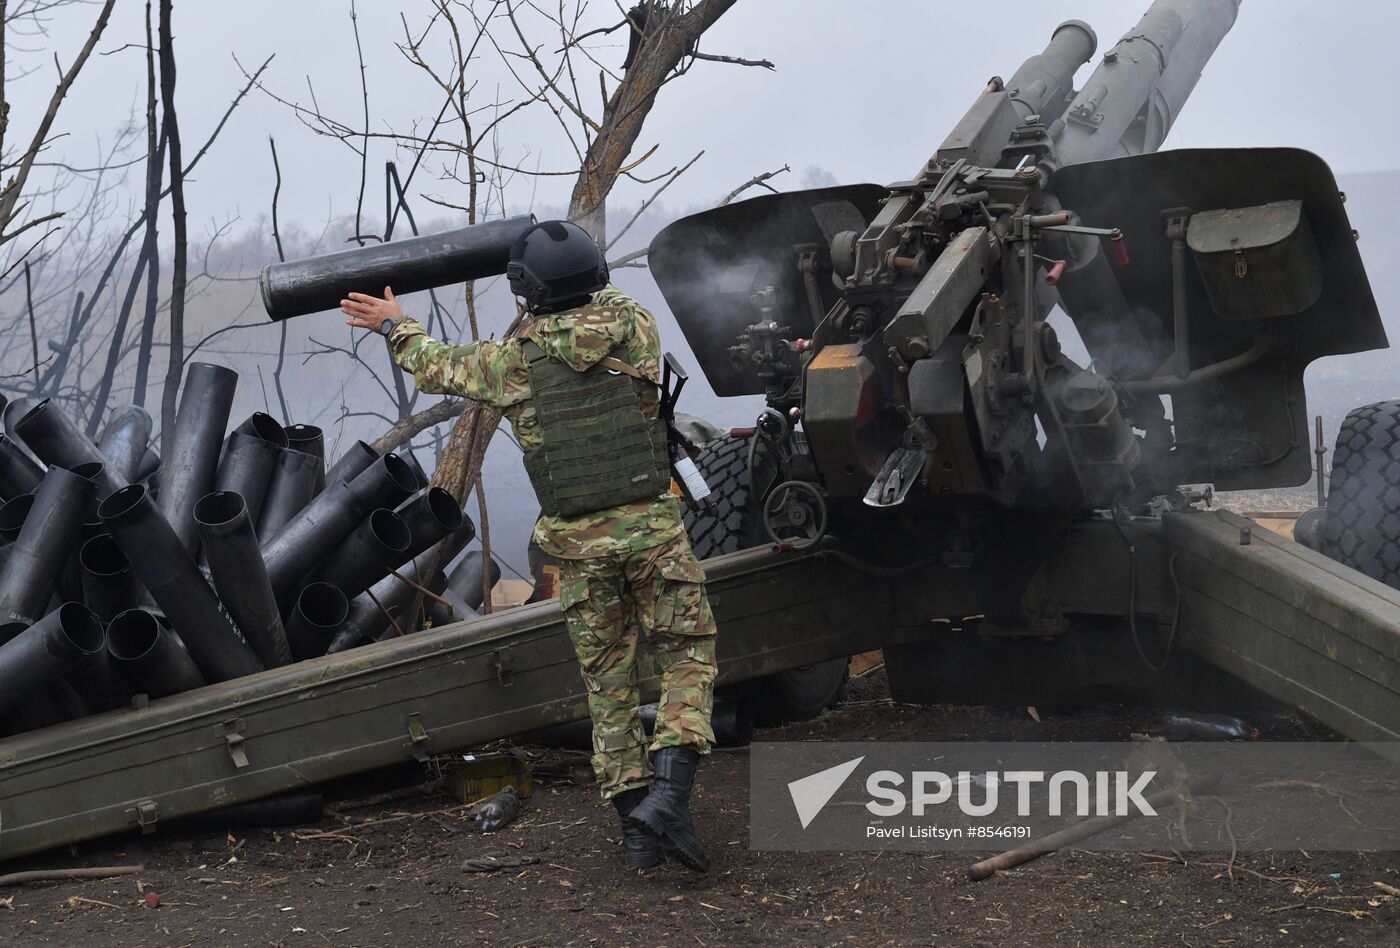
(388, 870)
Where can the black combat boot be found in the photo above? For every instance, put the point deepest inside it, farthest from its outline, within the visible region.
(639, 848)
(665, 813)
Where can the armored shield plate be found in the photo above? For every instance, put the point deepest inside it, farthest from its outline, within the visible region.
(710, 265)
(1247, 428)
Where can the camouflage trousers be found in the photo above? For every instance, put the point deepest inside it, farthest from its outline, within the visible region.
(608, 602)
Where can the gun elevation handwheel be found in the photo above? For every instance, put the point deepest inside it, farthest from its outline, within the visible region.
(795, 515)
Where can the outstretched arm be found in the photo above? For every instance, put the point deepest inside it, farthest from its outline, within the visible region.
(490, 372)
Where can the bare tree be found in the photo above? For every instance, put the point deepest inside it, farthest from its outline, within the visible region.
(548, 54)
(155, 156)
(664, 35)
(14, 199)
(175, 366)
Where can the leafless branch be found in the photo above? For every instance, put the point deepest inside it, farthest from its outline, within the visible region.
(755, 182)
(650, 200)
(10, 202)
(733, 60)
(281, 255)
(629, 260)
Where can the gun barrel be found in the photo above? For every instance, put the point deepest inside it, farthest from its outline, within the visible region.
(1043, 84)
(1130, 102)
(317, 284)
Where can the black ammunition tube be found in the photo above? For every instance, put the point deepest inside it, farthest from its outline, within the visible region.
(192, 457)
(110, 586)
(417, 467)
(465, 579)
(387, 482)
(382, 611)
(318, 284)
(308, 539)
(240, 577)
(432, 514)
(13, 513)
(308, 439)
(378, 544)
(57, 441)
(49, 535)
(19, 473)
(101, 682)
(46, 650)
(319, 613)
(249, 461)
(291, 487)
(150, 465)
(125, 440)
(178, 587)
(151, 655)
(352, 463)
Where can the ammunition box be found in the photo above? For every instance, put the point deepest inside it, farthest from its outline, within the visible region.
(1257, 262)
(476, 777)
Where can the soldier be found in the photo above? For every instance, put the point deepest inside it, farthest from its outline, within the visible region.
(580, 385)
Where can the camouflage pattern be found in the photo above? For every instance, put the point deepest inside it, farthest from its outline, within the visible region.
(624, 572)
(608, 602)
(495, 372)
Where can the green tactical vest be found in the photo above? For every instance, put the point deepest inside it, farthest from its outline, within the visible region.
(599, 449)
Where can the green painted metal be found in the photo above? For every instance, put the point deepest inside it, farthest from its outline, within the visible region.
(460, 686)
(1298, 626)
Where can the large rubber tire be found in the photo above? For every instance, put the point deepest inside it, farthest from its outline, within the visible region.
(736, 523)
(1363, 503)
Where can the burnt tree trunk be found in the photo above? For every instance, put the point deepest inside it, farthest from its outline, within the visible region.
(668, 36)
(175, 369)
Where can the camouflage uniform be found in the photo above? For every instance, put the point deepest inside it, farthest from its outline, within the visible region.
(622, 570)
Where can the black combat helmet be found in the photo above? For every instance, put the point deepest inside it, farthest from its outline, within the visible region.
(554, 265)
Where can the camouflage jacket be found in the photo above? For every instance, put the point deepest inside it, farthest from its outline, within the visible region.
(495, 373)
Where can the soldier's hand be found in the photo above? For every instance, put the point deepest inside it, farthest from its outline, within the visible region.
(368, 312)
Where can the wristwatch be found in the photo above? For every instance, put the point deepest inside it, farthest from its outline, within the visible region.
(386, 327)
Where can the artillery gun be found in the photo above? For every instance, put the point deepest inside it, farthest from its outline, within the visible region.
(923, 416)
(941, 478)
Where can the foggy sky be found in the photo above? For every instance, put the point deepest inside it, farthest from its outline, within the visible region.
(863, 88)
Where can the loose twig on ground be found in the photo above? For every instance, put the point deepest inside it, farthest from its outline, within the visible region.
(60, 875)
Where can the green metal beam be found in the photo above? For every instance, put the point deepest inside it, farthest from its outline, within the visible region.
(460, 686)
(1291, 622)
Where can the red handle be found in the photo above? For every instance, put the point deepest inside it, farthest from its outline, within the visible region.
(1120, 251)
(1057, 271)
